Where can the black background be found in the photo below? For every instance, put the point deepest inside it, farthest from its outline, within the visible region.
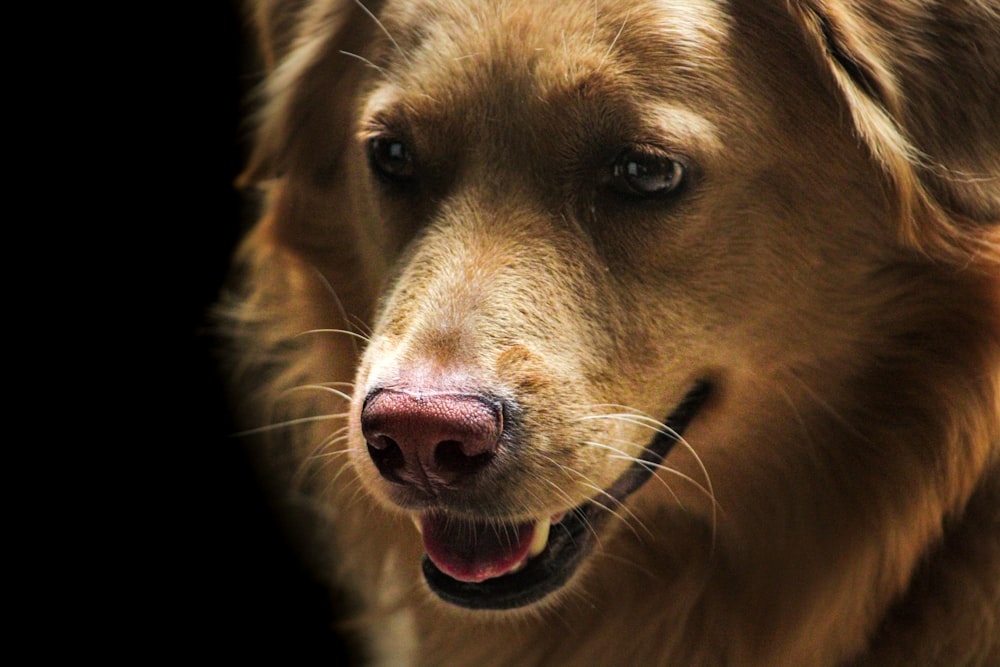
(204, 571)
(137, 532)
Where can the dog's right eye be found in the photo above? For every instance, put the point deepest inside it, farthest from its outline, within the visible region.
(390, 159)
(646, 173)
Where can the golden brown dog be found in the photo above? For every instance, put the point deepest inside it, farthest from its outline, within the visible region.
(644, 332)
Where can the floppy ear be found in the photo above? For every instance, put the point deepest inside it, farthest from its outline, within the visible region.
(922, 83)
(304, 117)
(276, 22)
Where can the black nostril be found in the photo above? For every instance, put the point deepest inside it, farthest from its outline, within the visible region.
(450, 457)
(387, 456)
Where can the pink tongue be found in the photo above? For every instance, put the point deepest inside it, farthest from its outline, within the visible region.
(474, 551)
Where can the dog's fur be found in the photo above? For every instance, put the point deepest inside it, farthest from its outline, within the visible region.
(830, 265)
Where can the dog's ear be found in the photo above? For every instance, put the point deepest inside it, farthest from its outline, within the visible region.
(304, 117)
(922, 84)
(276, 22)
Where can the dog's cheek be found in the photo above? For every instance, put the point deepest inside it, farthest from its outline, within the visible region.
(557, 439)
(516, 364)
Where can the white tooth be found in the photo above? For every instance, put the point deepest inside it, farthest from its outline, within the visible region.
(416, 522)
(540, 538)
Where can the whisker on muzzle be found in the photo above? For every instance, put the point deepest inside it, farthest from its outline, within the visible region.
(589, 483)
(637, 418)
(289, 423)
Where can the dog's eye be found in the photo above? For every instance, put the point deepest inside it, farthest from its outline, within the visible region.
(646, 173)
(390, 158)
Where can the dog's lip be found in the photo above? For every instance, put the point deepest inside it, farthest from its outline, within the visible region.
(572, 538)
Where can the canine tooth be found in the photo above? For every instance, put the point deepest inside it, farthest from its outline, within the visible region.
(416, 522)
(540, 538)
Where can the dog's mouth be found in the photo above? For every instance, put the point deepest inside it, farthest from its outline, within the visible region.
(483, 565)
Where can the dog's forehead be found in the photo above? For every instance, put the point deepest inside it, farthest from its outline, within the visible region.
(551, 46)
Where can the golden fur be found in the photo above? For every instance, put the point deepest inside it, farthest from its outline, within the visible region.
(830, 265)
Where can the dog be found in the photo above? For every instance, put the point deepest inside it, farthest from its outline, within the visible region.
(659, 332)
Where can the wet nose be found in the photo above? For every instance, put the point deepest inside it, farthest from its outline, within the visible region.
(430, 439)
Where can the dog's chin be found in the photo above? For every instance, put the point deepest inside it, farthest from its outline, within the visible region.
(483, 565)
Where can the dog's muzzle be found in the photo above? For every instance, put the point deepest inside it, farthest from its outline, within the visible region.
(439, 441)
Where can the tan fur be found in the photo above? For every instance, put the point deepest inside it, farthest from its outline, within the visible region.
(833, 267)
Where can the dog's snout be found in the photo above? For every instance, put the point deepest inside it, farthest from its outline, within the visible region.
(430, 440)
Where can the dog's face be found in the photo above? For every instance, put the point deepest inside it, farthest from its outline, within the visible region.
(643, 284)
(586, 214)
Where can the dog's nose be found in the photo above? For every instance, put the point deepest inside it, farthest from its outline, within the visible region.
(433, 439)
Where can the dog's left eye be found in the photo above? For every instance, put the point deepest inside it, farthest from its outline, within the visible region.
(390, 158)
(646, 173)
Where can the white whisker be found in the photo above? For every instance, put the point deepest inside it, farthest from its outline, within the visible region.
(336, 299)
(572, 503)
(619, 560)
(361, 326)
(349, 465)
(615, 40)
(361, 337)
(316, 455)
(636, 418)
(569, 499)
(649, 465)
(795, 411)
(289, 423)
(366, 62)
(348, 385)
(382, 28)
(652, 467)
(633, 418)
(614, 510)
(597, 16)
(832, 411)
(316, 387)
(590, 484)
